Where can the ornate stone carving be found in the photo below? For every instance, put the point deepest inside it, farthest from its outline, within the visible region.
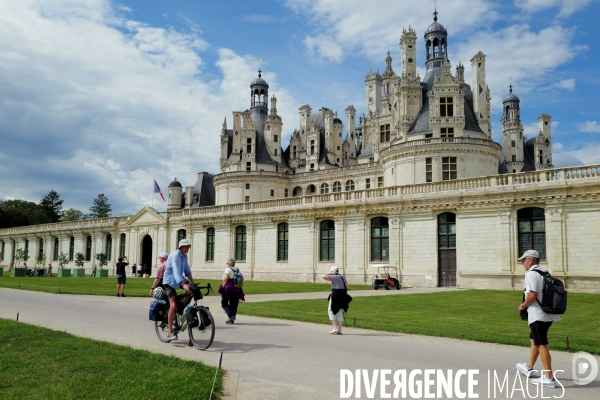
(504, 215)
(555, 214)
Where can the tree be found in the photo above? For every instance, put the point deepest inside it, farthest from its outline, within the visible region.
(40, 259)
(101, 208)
(52, 206)
(63, 259)
(79, 258)
(72, 215)
(101, 257)
(21, 213)
(1, 256)
(21, 256)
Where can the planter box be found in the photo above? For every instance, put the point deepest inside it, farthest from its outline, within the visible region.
(64, 273)
(101, 273)
(1, 271)
(78, 272)
(17, 272)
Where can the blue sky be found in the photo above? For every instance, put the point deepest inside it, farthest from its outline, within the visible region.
(100, 96)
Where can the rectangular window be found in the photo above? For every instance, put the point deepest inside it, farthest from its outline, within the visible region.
(108, 247)
(380, 181)
(312, 167)
(446, 107)
(248, 145)
(532, 231)
(449, 168)
(275, 152)
(88, 249)
(513, 143)
(210, 244)
(447, 134)
(272, 193)
(286, 192)
(71, 248)
(327, 245)
(275, 138)
(428, 170)
(428, 135)
(312, 147)
(338, 147)
(122, 246)
(240, 243)
(368, 183)
(282, 241)
(55, 258)
(384, 133)
(294, 153)
(249, 166)
(514, 158)
(247, 199)
(247, 186)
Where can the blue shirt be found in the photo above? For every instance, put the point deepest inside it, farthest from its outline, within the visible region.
(177, 267)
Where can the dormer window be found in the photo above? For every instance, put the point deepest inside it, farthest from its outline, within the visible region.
(446, 106)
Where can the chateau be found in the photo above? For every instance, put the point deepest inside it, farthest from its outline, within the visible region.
(416, 181)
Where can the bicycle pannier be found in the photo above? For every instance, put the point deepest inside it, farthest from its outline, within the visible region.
(158, 310)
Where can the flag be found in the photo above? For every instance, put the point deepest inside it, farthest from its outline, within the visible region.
(157, 190)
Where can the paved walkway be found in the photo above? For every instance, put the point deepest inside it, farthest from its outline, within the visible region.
(276, 359)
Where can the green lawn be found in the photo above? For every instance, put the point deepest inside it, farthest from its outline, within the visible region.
(38, 363)
(480, 315)
(141, 286)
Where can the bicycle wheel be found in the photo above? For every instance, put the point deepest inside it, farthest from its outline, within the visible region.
(202, 336)
(162, 327)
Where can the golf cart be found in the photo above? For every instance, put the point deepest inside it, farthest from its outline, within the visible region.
(387, 277)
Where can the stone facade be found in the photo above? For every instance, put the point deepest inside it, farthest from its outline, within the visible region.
(416, 182)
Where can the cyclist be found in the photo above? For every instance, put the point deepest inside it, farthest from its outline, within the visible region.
(160, 272)
(177, 267)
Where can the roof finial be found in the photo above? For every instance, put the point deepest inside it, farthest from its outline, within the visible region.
(259, 64)
(435, 12)
(510, 86)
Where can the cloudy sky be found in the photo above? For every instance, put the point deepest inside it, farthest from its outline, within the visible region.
(100, 96)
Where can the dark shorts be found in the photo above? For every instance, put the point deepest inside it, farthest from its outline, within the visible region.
(539, 332)
(170, 291)
(121, 280)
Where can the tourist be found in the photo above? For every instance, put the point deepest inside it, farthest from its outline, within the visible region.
(160, 272)
(230, 295)
(121, 275)
(338, 299)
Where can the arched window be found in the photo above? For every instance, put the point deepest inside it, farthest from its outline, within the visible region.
(71, 248)
(349, 185)
(282, 241)
(210, 244)
(380, 239)
(88, 249)
(311, 189)
(297, 191)
(337, 187)
(108, 247)
(240, 243)
(181, 234)
(532, 230)
(327, 242)
(55, 253)
(324, 188)
(122, 245)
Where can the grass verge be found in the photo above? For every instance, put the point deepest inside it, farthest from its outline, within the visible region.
(479, 315)
(39, 363)
(140, 287)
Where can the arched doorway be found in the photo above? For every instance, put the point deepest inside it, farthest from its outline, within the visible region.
(147, 254)
(447, 249)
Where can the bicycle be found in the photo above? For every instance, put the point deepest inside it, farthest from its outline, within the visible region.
(201, 335)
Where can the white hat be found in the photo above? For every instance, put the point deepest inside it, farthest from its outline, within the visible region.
(163, 255)
(184, 242)
(530, 254)
(334, 268)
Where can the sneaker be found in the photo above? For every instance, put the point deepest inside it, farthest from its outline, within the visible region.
(334, 332)
(229, 321)
(123, 295)
(544, 381)
(524, 369)
(171, 336)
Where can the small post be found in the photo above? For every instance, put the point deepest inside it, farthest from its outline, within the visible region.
(17, 317)
(215, 379)
(354, 322)
(568, 349)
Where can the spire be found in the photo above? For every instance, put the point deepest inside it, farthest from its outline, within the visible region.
(435, 13)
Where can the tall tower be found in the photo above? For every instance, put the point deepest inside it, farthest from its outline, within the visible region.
(408, 49)
(175, 196)
(436, 44)
(480, 93)
(543, 143)
(512, 133)
(259, 97)
(272, 134)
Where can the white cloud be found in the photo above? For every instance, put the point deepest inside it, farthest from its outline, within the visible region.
(589, 126)
(323, 47)
(579, 154)
(92, 103)
(567, 7)
(557, 146)
(566, 84)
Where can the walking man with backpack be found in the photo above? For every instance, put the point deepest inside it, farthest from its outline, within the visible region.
(539, 321)
(231, 290)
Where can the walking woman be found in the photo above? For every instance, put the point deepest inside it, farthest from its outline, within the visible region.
(338, 299)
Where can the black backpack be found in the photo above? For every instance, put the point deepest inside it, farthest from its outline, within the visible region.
(555, 295)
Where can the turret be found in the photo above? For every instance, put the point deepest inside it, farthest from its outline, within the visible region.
(175, 196)
(259, 93)
(481, 97)
(512, 133)
(436, 44)
(408, 49)
(543, 143)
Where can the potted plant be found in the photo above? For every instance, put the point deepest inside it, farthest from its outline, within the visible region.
(62, 260)
(103, 272)
(20, 256)
(80, 271)
(40, 259)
